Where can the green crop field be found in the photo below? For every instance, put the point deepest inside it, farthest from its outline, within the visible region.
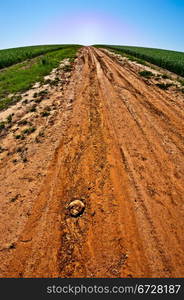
(21, 76)
(12, 56)
(167, 59)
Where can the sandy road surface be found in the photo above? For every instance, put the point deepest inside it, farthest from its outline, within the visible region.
(122, 155)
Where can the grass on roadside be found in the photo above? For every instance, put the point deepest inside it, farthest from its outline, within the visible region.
(9, 57)
(20, 77)
(164, 86)
(146, 74)
(167, 59)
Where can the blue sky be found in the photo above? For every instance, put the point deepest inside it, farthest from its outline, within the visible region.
(151, 23)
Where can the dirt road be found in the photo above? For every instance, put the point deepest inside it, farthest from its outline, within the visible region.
(121, 154)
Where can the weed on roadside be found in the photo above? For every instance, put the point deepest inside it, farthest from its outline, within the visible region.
(24, 159)
(38, 100)
(146, 74)
(47, 81)
(19, 137)
(9, 118)
(2, 125)
(55, 81)
(41, 134)
(165, 76)
(19, 149)
(33, 108)
(29, 130)
(164, 86)
(22, 122)
(13, 199)
(25, 102)
(181, 81)
(45, 113)
(67, 68)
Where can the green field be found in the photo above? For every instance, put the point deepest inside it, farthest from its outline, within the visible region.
(22, 76)
(9, 57)
(167, 59)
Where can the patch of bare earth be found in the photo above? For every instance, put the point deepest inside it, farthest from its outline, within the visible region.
(27, 146)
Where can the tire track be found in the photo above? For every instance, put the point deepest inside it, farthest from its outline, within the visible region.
(155, 158)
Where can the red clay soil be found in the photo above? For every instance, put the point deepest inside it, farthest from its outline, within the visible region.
(121, 154)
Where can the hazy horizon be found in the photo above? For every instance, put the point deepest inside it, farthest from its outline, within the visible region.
(155, 24)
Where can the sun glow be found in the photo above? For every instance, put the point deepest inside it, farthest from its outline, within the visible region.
(87, 29)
